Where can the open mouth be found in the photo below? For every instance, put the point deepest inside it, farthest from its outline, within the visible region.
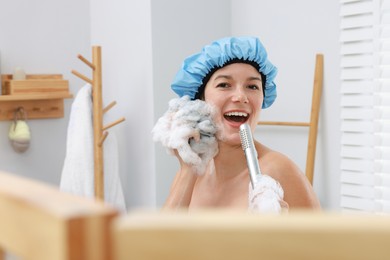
(239, 117)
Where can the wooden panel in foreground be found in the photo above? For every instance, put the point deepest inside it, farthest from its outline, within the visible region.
(229, 235)
(37, 221)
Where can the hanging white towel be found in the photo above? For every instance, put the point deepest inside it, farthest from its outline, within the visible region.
(78, 170)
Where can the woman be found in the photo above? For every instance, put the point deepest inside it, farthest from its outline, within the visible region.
(234, 76)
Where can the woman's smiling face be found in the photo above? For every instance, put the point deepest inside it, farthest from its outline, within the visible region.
(236, 91)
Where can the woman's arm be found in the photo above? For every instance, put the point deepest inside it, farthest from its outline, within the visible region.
(298, 192)
(181, 190)
(182, 187)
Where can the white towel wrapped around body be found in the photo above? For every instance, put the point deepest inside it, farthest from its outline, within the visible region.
(188, 127)
(78, 170)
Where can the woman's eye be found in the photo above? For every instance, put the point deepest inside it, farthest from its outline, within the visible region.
(254, 87)
(222, 85)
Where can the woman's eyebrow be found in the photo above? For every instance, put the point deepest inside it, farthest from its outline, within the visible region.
(230, 77)
(254, 78)
(223, 76)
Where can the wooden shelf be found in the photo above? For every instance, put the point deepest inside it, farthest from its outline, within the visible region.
(35, 106)
(36, 96)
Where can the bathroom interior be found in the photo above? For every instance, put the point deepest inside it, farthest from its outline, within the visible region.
(142, 46)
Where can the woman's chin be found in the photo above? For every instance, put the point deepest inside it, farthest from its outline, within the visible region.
(228, 137)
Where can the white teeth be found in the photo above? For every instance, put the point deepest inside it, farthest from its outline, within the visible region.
(236, 114)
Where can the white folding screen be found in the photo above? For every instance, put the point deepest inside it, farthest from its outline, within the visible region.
(365, 105)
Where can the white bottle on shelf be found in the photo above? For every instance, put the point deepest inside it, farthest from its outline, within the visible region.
(19, 74)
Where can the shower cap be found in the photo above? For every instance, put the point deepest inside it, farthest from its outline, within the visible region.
(200, 66)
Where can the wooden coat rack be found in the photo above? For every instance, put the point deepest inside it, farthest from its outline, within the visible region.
(99, 131)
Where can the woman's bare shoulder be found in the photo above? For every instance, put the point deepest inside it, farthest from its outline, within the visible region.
(275, 163)
(298, 192)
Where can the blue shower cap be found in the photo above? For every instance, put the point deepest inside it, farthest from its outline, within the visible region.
(218, 54)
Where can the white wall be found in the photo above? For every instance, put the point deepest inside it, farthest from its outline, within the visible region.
(293, 32)
(42, 36)
(123, 29)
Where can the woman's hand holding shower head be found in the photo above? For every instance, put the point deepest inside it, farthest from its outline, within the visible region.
(265, 193)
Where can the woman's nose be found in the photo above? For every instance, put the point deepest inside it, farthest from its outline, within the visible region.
(239, 96)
